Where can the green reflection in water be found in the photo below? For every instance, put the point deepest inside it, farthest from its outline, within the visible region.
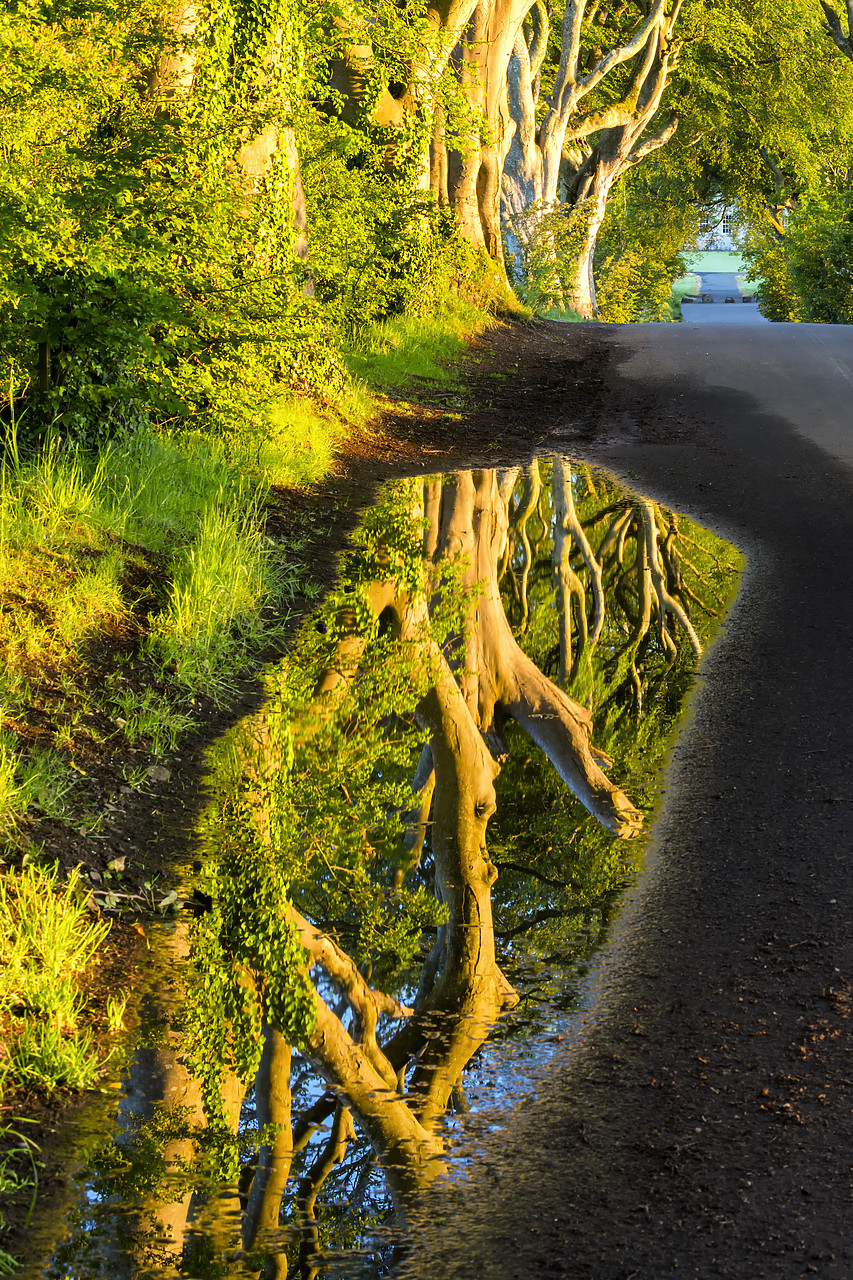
(506, 650)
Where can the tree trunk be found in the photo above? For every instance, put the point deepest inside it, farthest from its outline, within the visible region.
(586, 199)
(521, 183)
(172, 76)
(474, 174)
(272, 1107)
(158, 1078)
(618, 148)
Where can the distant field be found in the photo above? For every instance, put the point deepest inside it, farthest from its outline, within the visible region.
(717, 260)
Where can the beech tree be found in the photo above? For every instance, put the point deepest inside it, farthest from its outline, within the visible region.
(381, 749)
(595, 127)
(489, 161)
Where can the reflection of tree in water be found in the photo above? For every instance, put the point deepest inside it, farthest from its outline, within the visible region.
(612, 594)
(347, 900)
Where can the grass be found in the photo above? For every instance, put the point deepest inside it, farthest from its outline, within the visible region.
(747, 285)
(686, 286)
(387, 356)
(42, 779)
(296, 447)
(149, 717)
(211, 622)
(47, 940)
(16, 1150)
(560, 313)
(12, 799)
(716, 260)
(46, 780)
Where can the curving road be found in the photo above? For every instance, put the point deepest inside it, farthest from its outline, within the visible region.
(702, 1126)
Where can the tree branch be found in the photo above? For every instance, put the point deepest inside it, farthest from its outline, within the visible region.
(627, 51)
(343, 1132)
(659, 139)
(833, 21)
(366, 1003)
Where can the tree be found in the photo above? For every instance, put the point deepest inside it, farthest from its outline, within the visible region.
(607, 90)
(372, 773)
(763, 102)
(168, 183)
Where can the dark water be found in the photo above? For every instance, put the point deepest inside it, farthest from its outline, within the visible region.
(408, 861)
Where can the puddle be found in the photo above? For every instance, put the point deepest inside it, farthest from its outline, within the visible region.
(408, 861)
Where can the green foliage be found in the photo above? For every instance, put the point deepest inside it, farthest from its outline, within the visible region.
(632, 287)
(249, 967)
(763, 98)
(144, 281)
(47, 940)
(542, 246)
(765, 252)
(807, 275)
(374, 237)
(295, 445)
(122, 244)
(820, 254)
(640, 248)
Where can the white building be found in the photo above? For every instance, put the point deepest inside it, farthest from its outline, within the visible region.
(718, 235)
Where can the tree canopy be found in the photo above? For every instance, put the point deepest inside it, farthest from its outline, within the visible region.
(195, 202)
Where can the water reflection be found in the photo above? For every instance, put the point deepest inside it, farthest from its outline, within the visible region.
(505, 650)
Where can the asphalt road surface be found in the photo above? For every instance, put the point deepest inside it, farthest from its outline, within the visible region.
(711, 306)
(701, 1124)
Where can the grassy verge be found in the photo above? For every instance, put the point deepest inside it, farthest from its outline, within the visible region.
(137, 582)
(566, 316)
(685, 287)
(747, 286)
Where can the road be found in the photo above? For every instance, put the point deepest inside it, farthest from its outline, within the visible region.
(716, 287)
(700, 1124)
